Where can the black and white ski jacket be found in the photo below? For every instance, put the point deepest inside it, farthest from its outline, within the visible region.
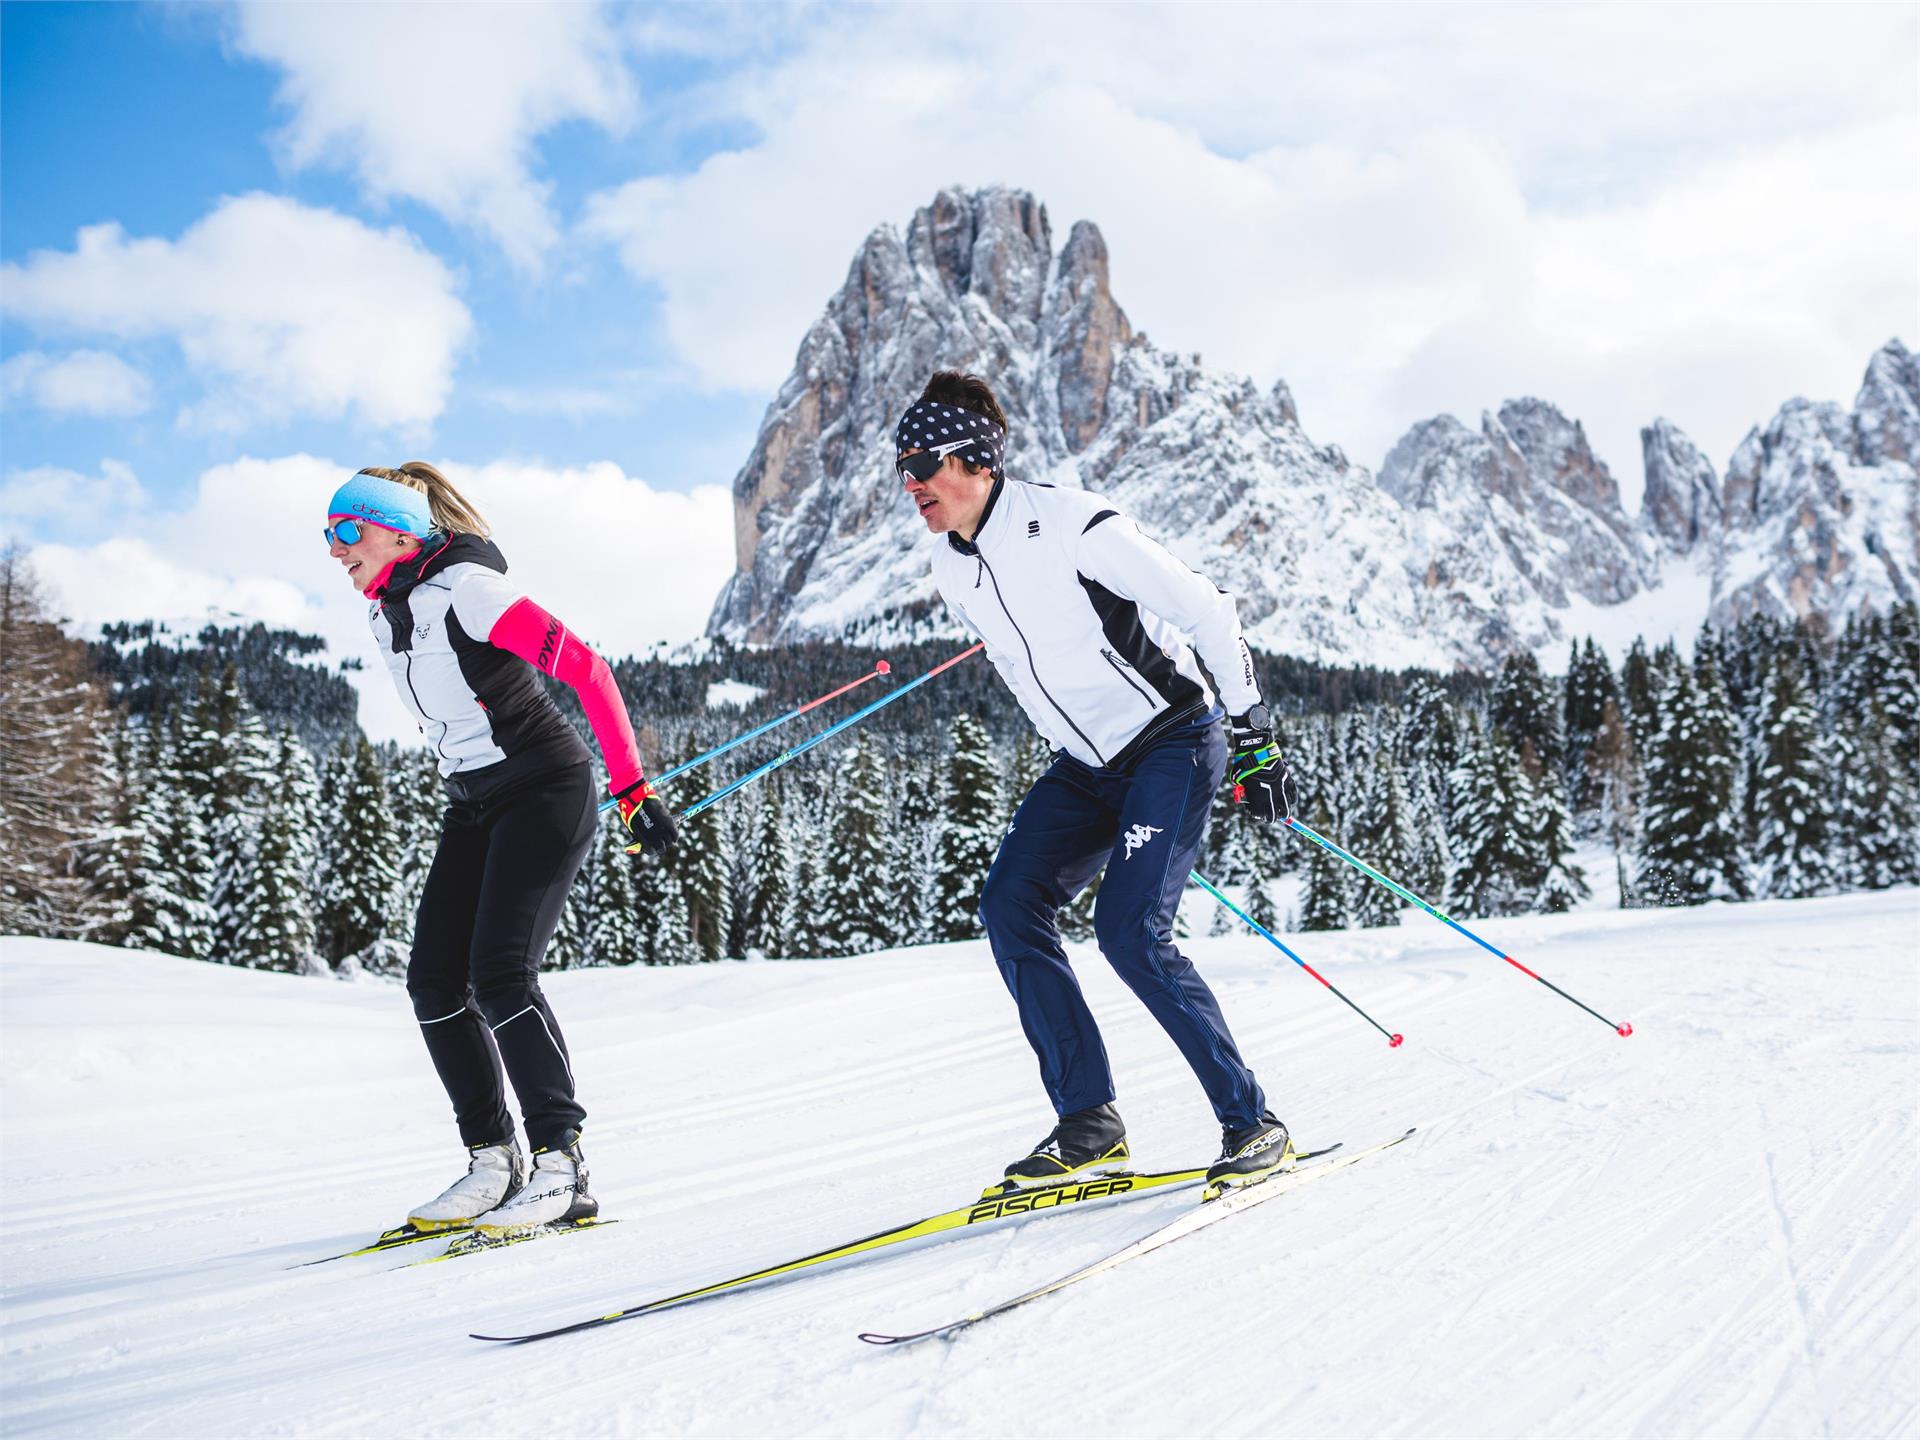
(481, 707)
(1092, 625)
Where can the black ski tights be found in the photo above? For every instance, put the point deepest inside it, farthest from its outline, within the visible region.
(492, 900)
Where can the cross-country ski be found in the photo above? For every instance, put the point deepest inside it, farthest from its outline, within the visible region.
(1214, 1208)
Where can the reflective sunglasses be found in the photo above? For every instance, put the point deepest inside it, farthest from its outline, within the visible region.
(923, 465)
(347, 532)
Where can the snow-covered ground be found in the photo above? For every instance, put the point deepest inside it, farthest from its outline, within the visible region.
(1709, 1228)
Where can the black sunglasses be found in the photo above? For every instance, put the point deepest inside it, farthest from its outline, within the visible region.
(923, 465)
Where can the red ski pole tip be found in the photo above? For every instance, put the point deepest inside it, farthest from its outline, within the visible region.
(882, 667)
(1625, 1029)
(1394, 1042)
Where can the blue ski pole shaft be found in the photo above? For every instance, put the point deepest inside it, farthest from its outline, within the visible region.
(805, 745)
(880, 667)
(1207, 885)
(1372, 874)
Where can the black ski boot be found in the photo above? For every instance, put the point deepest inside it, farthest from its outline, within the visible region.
(1249, 1153)
(1084, 1144)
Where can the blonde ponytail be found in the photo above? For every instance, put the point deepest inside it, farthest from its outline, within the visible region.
(452, 514)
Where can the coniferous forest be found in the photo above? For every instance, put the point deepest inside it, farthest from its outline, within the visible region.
(215, 799)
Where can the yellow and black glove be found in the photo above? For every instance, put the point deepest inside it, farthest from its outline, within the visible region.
(647, 820)
(1256, 767)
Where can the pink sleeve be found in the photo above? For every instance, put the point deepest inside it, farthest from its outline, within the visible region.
(544, 643)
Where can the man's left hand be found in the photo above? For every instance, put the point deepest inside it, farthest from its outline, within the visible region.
(1256, 767)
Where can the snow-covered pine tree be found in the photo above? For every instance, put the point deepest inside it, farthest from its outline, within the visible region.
(360, 856)
(971, 825)
(1613, 768)
(1324, 902)
(860, 902)
(1525, 708)
(615, 926)
(670, 933)
(1877, 808)
(1792, 855)
(273, 906)
(419, 802)
(770, 914)
(1388, 844)
(1431, 859)
(1639, 697)
(1260, 903)
(1590, 689)
(702, 861)
(567, 949)
(1498, 869)
(1690, 843)
(107, 856)
(173, 863)
(1429, 740)
(227, 763)
(1563, 884)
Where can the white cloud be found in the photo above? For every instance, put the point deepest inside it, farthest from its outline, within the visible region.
(86, 382)
(49, 500)
(280, 309)
(624, 564)
(442, 103)
(1627, 211)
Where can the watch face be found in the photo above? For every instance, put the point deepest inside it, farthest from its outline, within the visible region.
(1260, 718)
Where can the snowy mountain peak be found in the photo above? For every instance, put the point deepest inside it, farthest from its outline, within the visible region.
(1471, 544)
(1886, 412)
(1681, 502)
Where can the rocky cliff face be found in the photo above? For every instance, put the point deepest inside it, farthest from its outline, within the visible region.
(1219, 471)
(1470, 544)
(1821, 508)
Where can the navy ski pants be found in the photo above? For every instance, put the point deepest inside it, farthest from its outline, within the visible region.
(1144, 825)
(492, 901)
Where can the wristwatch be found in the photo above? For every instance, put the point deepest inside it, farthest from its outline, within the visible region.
(1258, 717)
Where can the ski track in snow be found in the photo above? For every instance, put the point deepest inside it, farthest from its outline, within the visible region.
(1709, 1228)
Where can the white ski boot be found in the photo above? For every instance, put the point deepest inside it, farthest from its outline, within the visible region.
(493, 1173)
(555, 1192)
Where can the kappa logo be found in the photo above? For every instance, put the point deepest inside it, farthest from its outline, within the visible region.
(1138, 836)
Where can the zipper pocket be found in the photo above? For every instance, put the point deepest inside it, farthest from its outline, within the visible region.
(1120, 669)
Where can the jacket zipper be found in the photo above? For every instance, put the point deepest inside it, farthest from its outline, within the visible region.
(1121, 671)
(1033, 669)
(439, 744)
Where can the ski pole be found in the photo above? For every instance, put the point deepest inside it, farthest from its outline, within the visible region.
(1408, 895)
(1393, 1040)
(880, 667)
(834, 729)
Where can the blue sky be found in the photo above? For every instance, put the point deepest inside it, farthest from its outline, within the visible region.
(569, 251)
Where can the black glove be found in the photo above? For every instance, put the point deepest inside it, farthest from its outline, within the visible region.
(647, 820)
(1256, 767)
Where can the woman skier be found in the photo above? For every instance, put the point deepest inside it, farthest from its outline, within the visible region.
(1088, 621)
(466, 648)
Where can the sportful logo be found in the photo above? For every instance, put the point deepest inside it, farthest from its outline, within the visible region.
(1138, 836)
(1033, 528)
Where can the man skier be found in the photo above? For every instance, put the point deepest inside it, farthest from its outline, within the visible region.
(1088, 622)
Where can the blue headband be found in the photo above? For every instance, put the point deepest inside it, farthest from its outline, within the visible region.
(385, 503)
(929, 425)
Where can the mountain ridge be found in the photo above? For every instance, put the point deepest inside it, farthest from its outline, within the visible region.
(1466, 546)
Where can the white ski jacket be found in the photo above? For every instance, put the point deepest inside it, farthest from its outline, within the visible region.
(1088, 621)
